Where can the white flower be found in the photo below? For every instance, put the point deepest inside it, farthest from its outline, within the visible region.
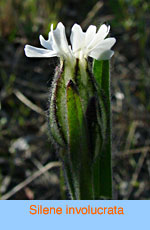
(83, 44)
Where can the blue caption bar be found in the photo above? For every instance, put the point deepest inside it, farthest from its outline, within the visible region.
(74, 215)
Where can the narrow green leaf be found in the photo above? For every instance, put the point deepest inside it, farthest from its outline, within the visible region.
(102, 76)
(102, 170)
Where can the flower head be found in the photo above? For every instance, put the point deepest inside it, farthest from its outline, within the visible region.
(83, 44)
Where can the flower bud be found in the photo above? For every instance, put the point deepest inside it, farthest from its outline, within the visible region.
(77, 123)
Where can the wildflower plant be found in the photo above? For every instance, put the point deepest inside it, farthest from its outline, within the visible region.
(80, 107)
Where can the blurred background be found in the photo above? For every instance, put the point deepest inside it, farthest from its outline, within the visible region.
(29, 167)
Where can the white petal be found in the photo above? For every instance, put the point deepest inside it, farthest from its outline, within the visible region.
(101, 54)
(90, 33)
(46, 43)
(60, 43)
(100, 35)
(32, 51)
(50, 35)
(77, 38)
(105, 44)
(103, 31)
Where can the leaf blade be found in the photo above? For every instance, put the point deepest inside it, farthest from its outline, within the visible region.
(103, 167)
